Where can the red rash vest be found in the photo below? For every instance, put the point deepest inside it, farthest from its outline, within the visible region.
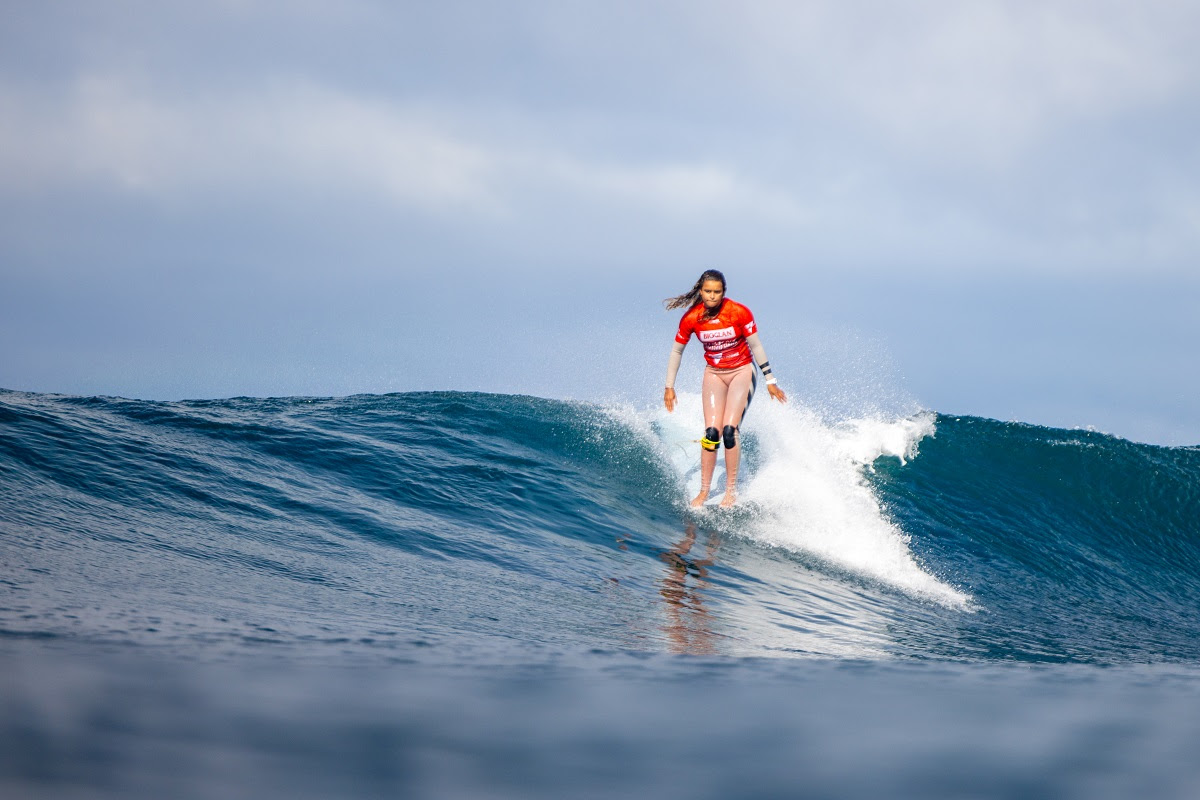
(723, 336)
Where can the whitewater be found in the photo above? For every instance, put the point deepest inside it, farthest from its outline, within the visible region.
(465, 594)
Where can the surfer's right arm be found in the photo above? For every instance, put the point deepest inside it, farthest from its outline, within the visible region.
(672, 370)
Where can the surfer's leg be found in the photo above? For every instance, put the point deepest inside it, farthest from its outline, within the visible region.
(741, 382)
(712, 395)
(708, 464)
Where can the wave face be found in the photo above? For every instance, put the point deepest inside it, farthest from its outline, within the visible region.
(447, 522)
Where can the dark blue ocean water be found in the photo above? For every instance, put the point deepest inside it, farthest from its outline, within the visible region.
(473, 595)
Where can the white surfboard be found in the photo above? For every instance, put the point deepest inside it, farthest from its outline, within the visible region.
(680, 433)
(685, 456)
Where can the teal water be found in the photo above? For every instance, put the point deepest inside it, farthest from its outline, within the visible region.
(447, 594)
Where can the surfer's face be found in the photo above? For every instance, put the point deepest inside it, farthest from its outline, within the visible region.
(711, 294)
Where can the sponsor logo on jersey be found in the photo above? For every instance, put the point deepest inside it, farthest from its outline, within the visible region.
(717, 336)
(750, 328)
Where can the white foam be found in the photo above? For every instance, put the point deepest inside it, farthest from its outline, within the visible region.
(806, 490)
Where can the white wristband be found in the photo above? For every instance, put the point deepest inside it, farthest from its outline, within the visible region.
(771, 380)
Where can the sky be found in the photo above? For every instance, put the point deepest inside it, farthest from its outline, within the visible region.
(986, 208)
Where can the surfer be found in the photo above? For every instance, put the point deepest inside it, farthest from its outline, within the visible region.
(731, 348)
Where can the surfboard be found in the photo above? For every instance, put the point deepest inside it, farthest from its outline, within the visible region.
(685, 455)
(680, 436)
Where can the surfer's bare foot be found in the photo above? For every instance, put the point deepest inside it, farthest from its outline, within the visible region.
(729, 499)
(699, 499)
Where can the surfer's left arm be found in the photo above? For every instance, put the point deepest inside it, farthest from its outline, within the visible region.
(764, 366)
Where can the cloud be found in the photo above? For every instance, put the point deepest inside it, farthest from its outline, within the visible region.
(108, 130)
(925, 132)
(982, 81)
(677, 191)
(289, 136)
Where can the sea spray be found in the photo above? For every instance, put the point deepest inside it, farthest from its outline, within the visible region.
(801, 482)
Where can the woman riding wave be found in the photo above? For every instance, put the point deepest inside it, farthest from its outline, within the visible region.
(729, 335)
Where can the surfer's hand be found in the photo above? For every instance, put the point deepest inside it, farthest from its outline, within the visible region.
(776, 392)
(669, 399)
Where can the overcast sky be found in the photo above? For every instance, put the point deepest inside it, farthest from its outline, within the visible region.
(985, 208)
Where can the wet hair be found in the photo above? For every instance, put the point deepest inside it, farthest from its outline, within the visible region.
(692, 296)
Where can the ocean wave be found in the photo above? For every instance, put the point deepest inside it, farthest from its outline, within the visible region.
(379, 524)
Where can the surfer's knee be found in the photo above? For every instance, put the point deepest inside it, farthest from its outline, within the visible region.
(729, 434)
(711, 440)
